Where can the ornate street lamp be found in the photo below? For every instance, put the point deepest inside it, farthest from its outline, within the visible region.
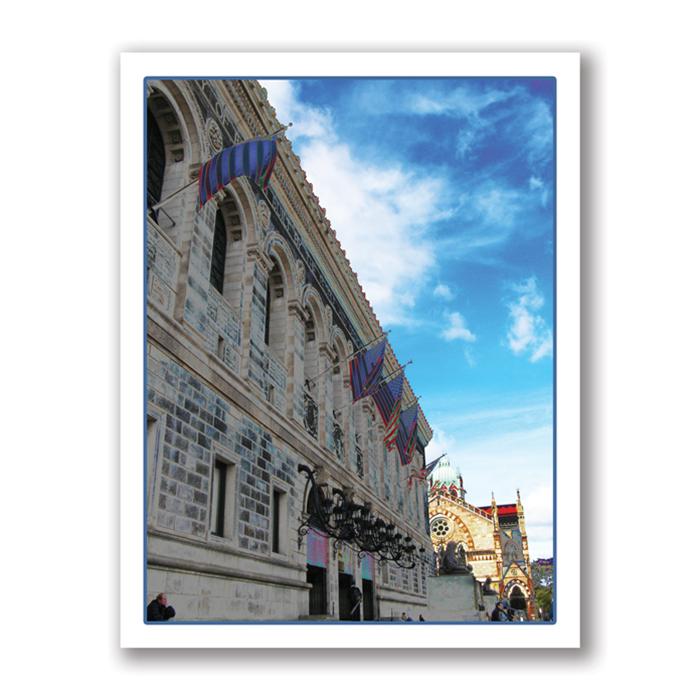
(339, 518)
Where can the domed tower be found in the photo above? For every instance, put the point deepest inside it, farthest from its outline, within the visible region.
(445, 479)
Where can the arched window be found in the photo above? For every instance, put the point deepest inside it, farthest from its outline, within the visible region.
(156, 162)
(276, 314)
(227, 258)
(311, 358)
(341, 398)
(166, 170)
(311, 378)
(360, 424)
(218, 254)
(340, 394)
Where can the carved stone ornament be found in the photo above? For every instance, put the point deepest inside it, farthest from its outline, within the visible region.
(263, 215)
(300, 274)
(216, 140)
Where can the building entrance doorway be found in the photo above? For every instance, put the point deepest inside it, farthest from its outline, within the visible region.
(316, 576)
(367, 600)
(345, 599)
(517, 599)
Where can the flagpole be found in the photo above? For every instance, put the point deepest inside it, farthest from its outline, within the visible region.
(349, 357)
(172, 196)
(414, 403)
(371, 393)
(420, 475)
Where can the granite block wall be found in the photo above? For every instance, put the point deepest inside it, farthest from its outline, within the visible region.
(199, 425)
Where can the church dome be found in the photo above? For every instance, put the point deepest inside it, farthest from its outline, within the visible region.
(445, 474)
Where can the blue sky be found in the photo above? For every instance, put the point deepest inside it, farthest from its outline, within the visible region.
(441, 193)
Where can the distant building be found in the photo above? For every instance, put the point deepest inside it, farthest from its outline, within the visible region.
(252, 309)
(493, 537)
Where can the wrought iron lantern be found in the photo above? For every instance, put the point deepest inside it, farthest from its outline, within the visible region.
(336, 516)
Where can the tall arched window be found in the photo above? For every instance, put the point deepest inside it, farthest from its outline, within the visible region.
(276, 314)
(227, 258)
(218, 254)
(358, 452)
(311, 378)
(166, 169)
(341, 399)
(311, 358)
(156, 162)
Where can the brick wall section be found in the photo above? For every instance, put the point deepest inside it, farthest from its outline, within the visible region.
(198, 423)
(259, 460)
(223, 327)
(192, 420)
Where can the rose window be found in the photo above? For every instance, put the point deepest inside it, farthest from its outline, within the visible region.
(440, 527)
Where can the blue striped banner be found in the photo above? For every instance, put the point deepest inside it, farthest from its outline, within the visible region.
(254, 159)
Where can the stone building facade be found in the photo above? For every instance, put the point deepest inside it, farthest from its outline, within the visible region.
(251, 309)
(493, 537)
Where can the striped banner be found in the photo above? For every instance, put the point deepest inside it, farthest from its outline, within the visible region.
(387, 396)
(366, 369)
(254, 159)
(392, 426)
(406, 435)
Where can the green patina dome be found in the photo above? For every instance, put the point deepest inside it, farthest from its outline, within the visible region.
(445, 474)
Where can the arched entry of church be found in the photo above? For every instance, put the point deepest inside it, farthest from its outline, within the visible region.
(517, 599)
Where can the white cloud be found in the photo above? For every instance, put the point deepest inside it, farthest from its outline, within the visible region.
(442, 291)
(466, 139)
(469, 357)
(538, 132)
(380, 212)
(537, 184)
(528, 331)
(457, 330)
(308, 121)
(498, 206)
(460, 102)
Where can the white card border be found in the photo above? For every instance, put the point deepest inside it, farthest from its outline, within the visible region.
(565, 68)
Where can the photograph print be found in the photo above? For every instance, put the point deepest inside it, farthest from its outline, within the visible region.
(350, 344)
